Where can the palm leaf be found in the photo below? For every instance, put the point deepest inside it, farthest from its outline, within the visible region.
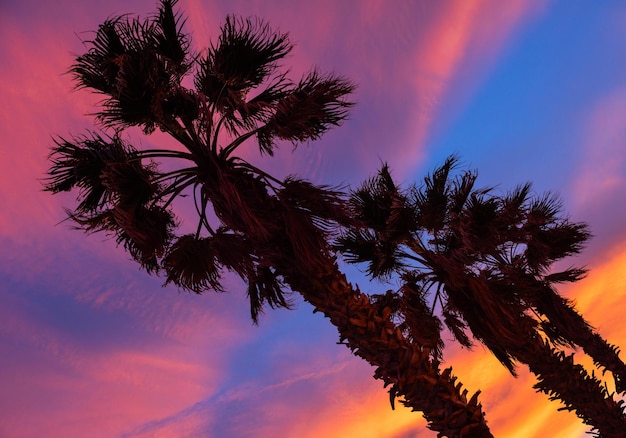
(432, 199)
(129, 181)
(233, 251)
(461, 189)
(264, 287)
(456, 325)
(137, 64)
(320, 202)
(170, 40)
(424, 327)
(245, 55)
(383, 258)
(145, 232)
(373, 201)
(547, 244)
(97, 69)
(249, 113)
(191, 263)
(80, 163)
(306, 112)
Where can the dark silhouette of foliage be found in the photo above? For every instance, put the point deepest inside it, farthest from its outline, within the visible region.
(483, 261)
(274, 234)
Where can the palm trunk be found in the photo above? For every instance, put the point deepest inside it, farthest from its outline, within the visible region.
(573, 326)
(243, 204)
(605, 355)
(562, 379)
(404, 366)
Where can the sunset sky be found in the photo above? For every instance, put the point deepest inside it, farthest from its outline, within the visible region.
(90, 346)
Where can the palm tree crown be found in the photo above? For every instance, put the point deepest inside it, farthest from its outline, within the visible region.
(239, 93)
(482, 265)
(482, 261)
(273, 233)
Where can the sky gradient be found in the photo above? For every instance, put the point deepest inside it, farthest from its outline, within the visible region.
(523, 90)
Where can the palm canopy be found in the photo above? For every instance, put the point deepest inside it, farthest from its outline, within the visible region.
(482, 264)
(478, 262)
(239, 92)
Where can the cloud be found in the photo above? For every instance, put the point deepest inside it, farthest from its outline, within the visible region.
(335, 397)
(98, 364)
(600, 182)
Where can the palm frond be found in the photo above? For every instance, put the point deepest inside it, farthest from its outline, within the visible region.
(247, 52)
(171, 42)
(543, 210)
(320, 202)
(373, 201)
(493, 316)
(432, 198)
(145, 232)
(245, 55)
(81, 162)
(461, 189)
(129, 181)
(97, 69)
(264, 287)
(383, 258)
(138, 64)
(457, 326)
(515, 202)
(570, 275)
(316, 104)
(479, 230)
(234, 252)
(423, 326)
(191, 263)
(251, 112)
(558, 240)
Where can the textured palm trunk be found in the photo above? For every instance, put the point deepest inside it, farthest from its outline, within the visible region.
(404, 366)
(363, 326)
(572, 324)
(562, 379)
(605, 355)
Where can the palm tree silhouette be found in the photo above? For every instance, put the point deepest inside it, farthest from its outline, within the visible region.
(485, 262)
(273, 233)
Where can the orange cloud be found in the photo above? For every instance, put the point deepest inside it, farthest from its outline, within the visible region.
(512, 407)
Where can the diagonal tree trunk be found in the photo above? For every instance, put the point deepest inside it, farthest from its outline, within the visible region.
(558, 376)
(404, 366)
(569, 322)
(562, 379)
(407, 368)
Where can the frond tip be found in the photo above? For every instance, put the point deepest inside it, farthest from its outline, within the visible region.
(264, 287)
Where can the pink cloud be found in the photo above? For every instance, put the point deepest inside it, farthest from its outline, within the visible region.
(424, 61)
(597, 190)
(604, 171)
(461, 44)
(56, 381)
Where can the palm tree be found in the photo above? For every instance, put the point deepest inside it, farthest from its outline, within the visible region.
(272, 233)
(485, 263)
